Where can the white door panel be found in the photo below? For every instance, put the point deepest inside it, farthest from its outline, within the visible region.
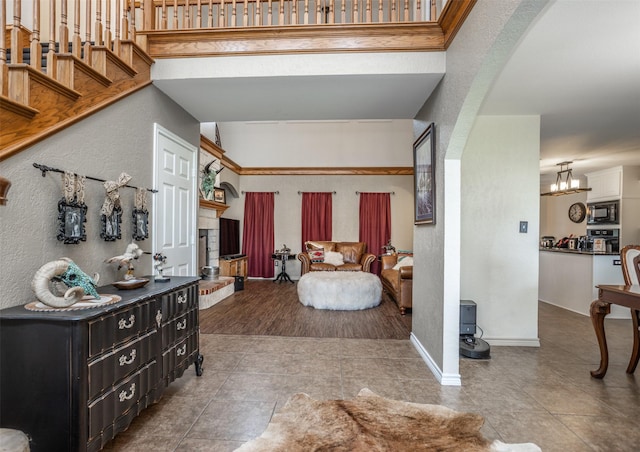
(175, 208)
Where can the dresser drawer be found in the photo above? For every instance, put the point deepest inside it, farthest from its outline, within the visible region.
(119, 326)
(114, 366)
(178, 357)
(130, 394)
(179, 327)
(179, 301)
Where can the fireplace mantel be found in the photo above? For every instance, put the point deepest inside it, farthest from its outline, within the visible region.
(219, 207)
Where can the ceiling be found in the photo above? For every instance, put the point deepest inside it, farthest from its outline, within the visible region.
(578, 67)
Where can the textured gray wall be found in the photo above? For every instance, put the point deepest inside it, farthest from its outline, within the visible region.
(115, 140)
(476, 55)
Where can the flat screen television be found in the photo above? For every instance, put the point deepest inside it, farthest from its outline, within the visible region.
(229, 236)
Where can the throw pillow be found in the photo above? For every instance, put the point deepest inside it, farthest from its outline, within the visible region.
(403, 261)
(333, 258)
(316, 255)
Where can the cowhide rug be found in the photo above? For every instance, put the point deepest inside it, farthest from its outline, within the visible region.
(372, 423)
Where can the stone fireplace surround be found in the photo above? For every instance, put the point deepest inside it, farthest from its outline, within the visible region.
(216, 290)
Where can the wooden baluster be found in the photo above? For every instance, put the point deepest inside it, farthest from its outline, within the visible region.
(15, 43)
(380, 11)
(125, 21)
(433, 15)
(186, 15)
(175, 14)
(294, 12)
(35, 48)
(258, 13)
(406, 11)
(332, 15)
(319, 11)
(343, 12)
(164, 21)
(305, 17)
(356, 17)
(245, 14)
(87, 34)
(76, 40)
(368, 17)
(210, 15)
(131, 10)
(116, 41)
(269, 13)
(281, 13)
(221, 22)
(64, 29)
(393, 17)
(107, 25)
(233, 13)
(4, 80)
(51, 53)
(199, 15)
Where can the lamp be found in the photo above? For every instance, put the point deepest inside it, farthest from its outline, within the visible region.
(565, 183)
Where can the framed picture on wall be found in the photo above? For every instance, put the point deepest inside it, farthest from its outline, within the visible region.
(219, 196)
(71, 217)
(424, 177)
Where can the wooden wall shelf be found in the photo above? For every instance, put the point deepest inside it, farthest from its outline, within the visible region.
(206, 204)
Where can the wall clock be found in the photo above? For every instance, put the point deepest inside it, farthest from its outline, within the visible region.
(577, 212)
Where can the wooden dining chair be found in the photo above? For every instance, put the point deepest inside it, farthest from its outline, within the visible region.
(630, 256)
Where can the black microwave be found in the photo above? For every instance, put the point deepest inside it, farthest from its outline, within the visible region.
(607, 212)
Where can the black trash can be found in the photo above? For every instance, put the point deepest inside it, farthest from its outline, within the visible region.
(238, 284)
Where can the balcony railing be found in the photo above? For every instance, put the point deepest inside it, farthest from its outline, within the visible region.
(195, 14)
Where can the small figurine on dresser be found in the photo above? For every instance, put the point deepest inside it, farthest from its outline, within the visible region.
(159, 261)
(132, 253)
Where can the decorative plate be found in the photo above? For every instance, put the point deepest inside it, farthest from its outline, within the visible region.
(131, 283)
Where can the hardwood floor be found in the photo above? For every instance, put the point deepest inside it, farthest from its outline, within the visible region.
(272, 309)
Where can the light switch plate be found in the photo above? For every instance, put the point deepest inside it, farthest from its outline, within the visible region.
(524, 226)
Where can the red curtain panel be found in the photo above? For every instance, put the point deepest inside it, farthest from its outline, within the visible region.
(375, 223)
(316, 217)
(257, 234)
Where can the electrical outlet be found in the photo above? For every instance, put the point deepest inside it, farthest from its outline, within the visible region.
(524, 227)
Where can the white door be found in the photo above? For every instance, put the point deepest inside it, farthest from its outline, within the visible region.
(174, 206)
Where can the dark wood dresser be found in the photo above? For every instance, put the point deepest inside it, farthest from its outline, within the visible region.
(71, 380)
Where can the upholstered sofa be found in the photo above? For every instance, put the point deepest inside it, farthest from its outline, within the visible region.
(397, 279)
(335, 256)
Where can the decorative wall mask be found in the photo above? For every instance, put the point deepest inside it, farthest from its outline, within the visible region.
(140, 216)
(111, 212)
(72, 211)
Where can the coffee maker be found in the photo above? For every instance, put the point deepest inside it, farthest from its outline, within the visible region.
(603, 240)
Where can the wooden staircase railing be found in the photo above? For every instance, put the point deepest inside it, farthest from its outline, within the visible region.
(59, 65)
(46, 86)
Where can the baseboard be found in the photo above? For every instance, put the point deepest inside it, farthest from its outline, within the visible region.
(443, 379)
(512, 342)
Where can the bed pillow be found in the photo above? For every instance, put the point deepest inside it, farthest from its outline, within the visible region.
(333, 258)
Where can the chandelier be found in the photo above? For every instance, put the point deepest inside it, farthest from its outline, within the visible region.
(565, 183)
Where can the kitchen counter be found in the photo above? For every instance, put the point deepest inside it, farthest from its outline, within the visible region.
(569, 251)
(568, 278)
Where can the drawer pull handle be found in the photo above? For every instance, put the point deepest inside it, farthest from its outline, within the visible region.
(158, 318)
(122, 324)
(182, 299)
(124, 396)
(124, 361)
(182, 350)
(182, 326)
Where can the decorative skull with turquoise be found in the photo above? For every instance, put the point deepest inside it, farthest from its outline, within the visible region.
(63, 270)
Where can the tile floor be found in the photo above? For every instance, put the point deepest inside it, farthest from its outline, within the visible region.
(543, 395)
